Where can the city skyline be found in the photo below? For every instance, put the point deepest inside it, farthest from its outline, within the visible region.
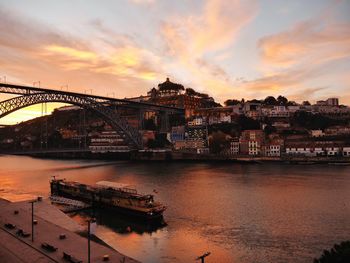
(228, 49)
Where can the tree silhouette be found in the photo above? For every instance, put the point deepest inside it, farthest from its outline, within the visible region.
(270, 100)
(282, 100)
(337, 254)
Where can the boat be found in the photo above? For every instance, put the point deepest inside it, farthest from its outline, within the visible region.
(112, 196)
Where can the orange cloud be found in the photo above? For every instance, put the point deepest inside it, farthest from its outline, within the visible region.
(316, 40)
(305, 54)
(214, 29)
(70, 52)
(37, 53)
(190, 38)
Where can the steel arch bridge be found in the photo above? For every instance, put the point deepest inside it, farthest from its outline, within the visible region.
(101, 105)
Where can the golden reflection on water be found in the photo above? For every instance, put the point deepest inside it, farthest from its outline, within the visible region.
(240, 213)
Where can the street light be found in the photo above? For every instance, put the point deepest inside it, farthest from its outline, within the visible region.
(32, 202)
(91, 230)
(201, 258)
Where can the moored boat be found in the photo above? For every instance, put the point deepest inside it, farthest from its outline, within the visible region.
(113, 196)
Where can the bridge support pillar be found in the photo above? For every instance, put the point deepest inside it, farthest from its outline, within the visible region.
(141, 119)
(164, 122)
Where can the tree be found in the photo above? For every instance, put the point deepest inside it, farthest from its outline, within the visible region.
(254, 101)
(314, 121)
(282, 100)
(218, 141)
(190, 91)
(247, 123)
(306, 103)
(338, 254)
(270, 100)
(231, 102)
(269, 129)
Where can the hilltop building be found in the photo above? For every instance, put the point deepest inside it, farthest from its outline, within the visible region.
(175, 95)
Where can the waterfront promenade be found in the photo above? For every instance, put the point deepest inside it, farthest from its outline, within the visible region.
(14, 248)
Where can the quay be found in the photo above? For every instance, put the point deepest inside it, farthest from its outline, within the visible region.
(51, 223)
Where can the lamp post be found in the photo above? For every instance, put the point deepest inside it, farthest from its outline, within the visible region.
(89, 241)
(91, 230)
(202, 257)
(32, 202)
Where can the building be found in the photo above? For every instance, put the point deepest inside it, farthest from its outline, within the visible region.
(316, 148)
(196, 133)
(177, 133)
(202, 150)
(251, 141)
(197, 121)
(175, 95)
(275, 112)
(316, 133)
(254, 148)
(281, 125)
(273, 148)
(303, 150)
(254, 114)
(234, 146)
(333, 151)
(332, 102)
(108, 141)
(68, 133)
(338, 130)
(190, 144)
(346, 151)
(321, 103)
(216, 115)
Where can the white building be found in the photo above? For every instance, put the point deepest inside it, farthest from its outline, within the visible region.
(346, 151)
(273, 150)
(333, 151)
(276, 111)
(319, 151)
(198, 121)
(305, 151)
(234, 148)
(254, 148)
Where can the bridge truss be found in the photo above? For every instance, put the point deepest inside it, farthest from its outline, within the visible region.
(101, 105)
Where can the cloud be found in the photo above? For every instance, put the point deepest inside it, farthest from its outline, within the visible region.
(310, 52)
(305, 41)
(212, 30)
(143, 1)
(197, 42)
(58, 54)
(37, 52)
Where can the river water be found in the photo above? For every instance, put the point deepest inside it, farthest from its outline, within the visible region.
(238, 212)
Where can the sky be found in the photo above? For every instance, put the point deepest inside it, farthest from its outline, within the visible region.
(229, 49)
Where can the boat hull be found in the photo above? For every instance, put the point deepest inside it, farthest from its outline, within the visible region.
(97, 202)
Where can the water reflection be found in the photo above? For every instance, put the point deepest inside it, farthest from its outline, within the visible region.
(240, 213)
(119, 223)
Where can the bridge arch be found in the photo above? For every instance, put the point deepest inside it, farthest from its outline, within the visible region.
(110, 116)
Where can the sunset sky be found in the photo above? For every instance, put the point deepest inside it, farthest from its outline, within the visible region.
(228, 49)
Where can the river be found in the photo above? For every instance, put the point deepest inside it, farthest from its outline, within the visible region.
(238, 212)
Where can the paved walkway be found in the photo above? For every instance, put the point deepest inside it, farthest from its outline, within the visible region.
(15, 249)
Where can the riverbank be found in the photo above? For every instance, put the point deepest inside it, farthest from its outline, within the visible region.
(173, 156)
(51, 224)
